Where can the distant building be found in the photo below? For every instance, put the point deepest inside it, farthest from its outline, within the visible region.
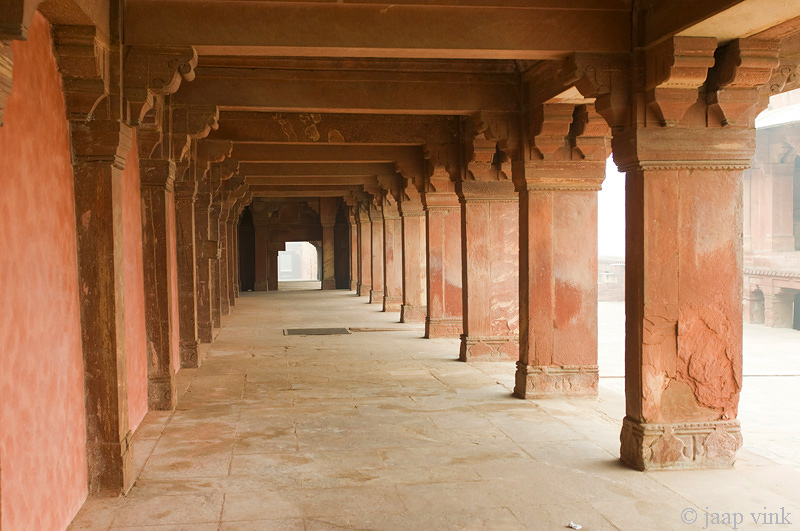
(772, 218)
(611, 279)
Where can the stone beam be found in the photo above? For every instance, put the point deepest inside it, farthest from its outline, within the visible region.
(321, 91)
(254, 152)
(310, 169)
(15, 17)
(724, 19)
(341, 129)
(544, 30)
(312, 181)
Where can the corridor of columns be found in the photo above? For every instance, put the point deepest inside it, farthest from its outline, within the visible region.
(381, 429)
(443, 159)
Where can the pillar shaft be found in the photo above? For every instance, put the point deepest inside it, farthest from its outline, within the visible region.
(414, 308)
(364, 254)
(683, 302)
(158, 242)
(490, 254)
(262, 265)
(392, 259)
(272, 266)
(328, 207)
(353, 226)
(376, 258)
(185, 195)
(98, 209)
(443, 261)
(224, 276)
(558, 278)
(206, 249)
(232, 246)
(215, 289)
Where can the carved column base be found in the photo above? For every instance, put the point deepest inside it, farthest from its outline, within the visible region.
(329, 283)
(392, 304)
(364, 289)
(556, 381)
(494, 348)
(261, 286)
(189, 358)
(711, 444)
(375, 296)
(205, 333)
(444, 327)
(413, 314)
(161, 393)
(353, 285)
(118, 477)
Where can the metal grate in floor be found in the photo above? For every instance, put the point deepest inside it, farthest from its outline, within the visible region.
(315, 331)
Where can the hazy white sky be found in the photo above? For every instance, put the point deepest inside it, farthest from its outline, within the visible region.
(611, 214)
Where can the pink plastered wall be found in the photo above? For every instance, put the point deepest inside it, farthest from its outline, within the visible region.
(42, 414)
(135, 331)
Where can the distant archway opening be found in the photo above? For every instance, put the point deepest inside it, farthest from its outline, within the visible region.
(300, 262)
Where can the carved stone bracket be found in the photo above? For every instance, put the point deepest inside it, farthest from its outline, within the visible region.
(604, 78)
(84, 62)
(188, 124)
(443, 167)
(150, 73)
(742, 68)
(675, 70)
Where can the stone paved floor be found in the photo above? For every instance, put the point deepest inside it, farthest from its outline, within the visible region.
(383, 430)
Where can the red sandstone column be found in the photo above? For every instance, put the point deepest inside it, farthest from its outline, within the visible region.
(206, 250)
(683, 352)
(231, 256)
(364, 252)
(558, 251)
(185, 195)
(376, 260)
(443, 261)
(214, 235)
(777, 186)
(261, 221)
(156, 178)
(328, 207)
(97, 166)
(778, 306)
(392, 256)
(490, 243)
(273, 248)
(414, 308)
(354, 261)
(558, 277)
(224, 278)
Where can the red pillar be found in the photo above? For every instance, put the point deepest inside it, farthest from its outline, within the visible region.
(364, 252)
(558, 252)
(558, 277)
(376, 260)
(392, 256)
(185, 196)
(206, 249)
(158, 241)
(414, 235)
(328, 207)
(490, 254)
(353, 225)
(443, 260)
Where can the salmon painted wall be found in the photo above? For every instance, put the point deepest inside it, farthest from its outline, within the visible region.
(135, 331)
(42, 426)
(173, 284)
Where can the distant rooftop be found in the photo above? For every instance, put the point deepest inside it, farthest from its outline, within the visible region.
(783, 109)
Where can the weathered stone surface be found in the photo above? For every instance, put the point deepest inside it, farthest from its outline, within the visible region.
(414, 235)
(490, 240)
(443, 216)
